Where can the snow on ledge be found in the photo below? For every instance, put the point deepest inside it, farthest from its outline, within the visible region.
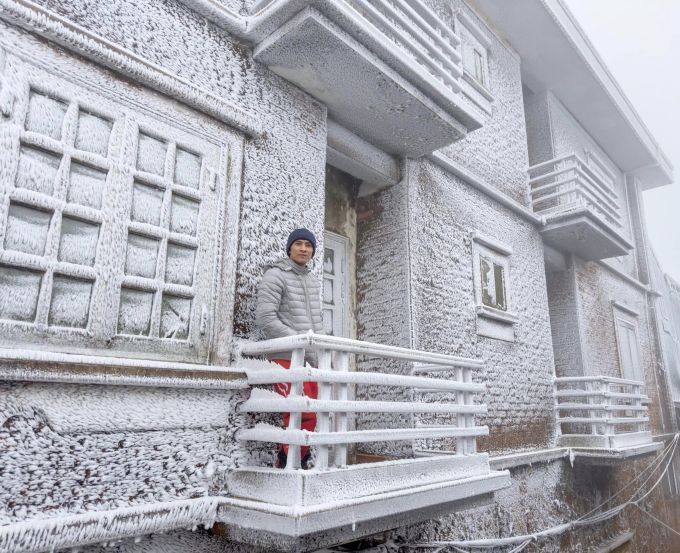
(47, 366)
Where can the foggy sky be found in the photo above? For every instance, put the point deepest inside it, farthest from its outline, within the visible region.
(640, 43)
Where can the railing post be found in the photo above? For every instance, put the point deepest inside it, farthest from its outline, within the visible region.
(323, 422)
(607, 401)
(637, 402)
(341, 421)
(471, 442)
(558, 412)
(297, 360)
(460, 418)
(602, 398)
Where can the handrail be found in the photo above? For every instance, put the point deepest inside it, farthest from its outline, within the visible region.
(582, 186)
(334, 403)
(316, 342)
(604, 406)
(424, 52)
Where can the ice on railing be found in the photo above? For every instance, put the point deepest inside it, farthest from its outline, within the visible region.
(600, 405)
(335, 404)
(567, 183)
(419, 33)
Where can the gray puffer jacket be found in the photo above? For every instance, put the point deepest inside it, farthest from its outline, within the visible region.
(288, 300)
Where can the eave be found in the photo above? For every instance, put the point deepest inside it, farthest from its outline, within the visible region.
(557, 56)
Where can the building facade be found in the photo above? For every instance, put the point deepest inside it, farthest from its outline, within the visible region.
(496, 358)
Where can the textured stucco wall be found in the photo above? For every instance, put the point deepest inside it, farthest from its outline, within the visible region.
(539, 131)
(497, 152)
(283, 171)
(68, 449)
(518, 374)
(383, 303)
(564, 323)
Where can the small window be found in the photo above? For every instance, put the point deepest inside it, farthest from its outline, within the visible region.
(625, 319)
(474, 47)
(493, 284)
(491, 271)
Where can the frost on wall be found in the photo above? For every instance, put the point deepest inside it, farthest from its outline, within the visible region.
(383, 313)
(497, 152)
(564, 323)
(597, 288)
(69, 449)
(283, 171)
(518, 375)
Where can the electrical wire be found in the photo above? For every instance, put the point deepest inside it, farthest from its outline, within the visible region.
(589, 518)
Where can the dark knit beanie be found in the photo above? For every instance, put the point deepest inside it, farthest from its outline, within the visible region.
(301, 234)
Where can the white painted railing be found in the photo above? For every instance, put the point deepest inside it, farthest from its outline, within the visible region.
(418, 31)
(333, 404)
(604, 406)
(566, 184)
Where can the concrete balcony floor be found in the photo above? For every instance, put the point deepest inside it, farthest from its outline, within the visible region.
(298, 510)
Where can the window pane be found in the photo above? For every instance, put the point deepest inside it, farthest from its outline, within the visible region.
(488, 286)
(499, 279)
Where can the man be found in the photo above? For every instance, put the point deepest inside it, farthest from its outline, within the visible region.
(289, 303)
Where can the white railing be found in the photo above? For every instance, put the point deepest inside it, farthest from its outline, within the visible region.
(419, 32)
(600, 405)
(567, 184)
(333, 433)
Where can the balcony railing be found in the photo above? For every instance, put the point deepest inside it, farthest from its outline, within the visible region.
(416, 30)
(335, 494)
(568, 183)
(333, 406)
(401, 43)
(601, 412)
(582, 212)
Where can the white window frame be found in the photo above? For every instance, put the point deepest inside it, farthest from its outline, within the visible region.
(491, 321)
(474, 47)
(626, 324)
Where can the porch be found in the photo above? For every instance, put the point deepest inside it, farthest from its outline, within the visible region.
(290, 507)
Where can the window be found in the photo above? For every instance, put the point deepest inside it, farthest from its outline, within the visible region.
(108, 214)
(625, 319)
(493, 283)
(491, 269)
(474, 50)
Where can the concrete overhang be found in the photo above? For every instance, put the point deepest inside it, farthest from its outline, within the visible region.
(557, 56)
(369, 84)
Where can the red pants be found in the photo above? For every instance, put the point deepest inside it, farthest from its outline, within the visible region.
(310, 389)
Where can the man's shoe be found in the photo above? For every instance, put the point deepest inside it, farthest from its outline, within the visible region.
(307, 462)
(281, 459)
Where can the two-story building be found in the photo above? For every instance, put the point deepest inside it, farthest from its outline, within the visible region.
(492, 362)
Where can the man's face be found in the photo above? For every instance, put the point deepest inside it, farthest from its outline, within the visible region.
(301, 251)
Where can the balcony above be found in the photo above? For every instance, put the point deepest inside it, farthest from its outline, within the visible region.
(603, 419)
(294, 509)
(388, 70)
(582, 213)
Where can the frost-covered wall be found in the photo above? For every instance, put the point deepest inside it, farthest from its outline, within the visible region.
(383, 294)
(518, 374)
(597, 289)
(497, 152)
(68, 449)
(564, 321)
